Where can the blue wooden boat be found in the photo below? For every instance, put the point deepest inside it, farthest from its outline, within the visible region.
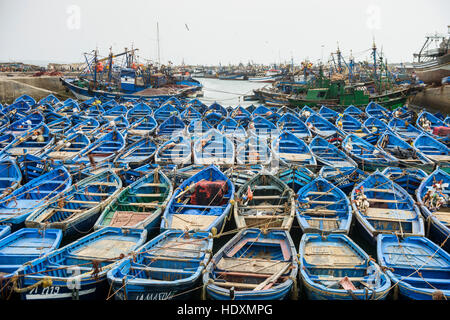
(50, 99)
(136, 153)
(447, 120)
(5, 140)
(59, 125)
(165, 112)
(23, 201)
(368, 157)
(172, 126)
(231, 129)
(433, 198)
(110, 104)
(32, 167)
(329, 155)
(30, 142)
(418, 268)
(168, 267)
(86, 125)
(250, 108)
(407, 178)
(264, 202)
(115, 112)
(377, 111)
(201, 202)
(142, 127)
(382, 206)
(295, 177)
(10, 176)
(101, 150)
(213, 117)
(239, 175)
(253, 265)
(267, 113)
(178, 175)
(434, 150)
(26, 98)
(96, 252)
(132, 175)
(305, 113)
(406, 154)
(174, 101)
(94, 111)
(4, 230)
(291, 150)
(342, 177)
(403, 113)
(334, 267)
(45, 109)
(322, 127)
(217, 108)
(197, 104)
(324, 208)
(75, 211)
(66, 148)
(404, 129)
(138, 111)
(20, 107)
(355, 112)
(293, 124)
(429, 123)
(375, 125)
(140, 205)
(241, 115)
(153, 103)
(21, 247)
(198, 128)
(253, 151)
(27, 123)
(175, 151)
(189, 114)
(350, 124)
(328, 113)
(68, 107)
(120, 124)
(260, 126)
(213, 148)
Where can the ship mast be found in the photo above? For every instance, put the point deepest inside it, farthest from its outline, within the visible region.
(157, 38)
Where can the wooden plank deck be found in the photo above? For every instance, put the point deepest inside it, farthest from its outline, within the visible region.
(191, 221)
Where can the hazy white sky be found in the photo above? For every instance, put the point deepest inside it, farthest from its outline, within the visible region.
(212, 31)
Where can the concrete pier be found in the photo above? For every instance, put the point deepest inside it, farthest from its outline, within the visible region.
(13, 86)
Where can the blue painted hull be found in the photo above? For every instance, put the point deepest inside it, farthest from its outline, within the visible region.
(326, 260)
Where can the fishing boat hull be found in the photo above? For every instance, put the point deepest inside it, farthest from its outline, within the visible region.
(264, 202)
(107, 245)
(172, 262)
(327, 261)
(418, 267)
(382, 206)
(438, 228)
(135, 206)
(206, 208)
(86, 94)
(324, 208)
(76, 211)
(253, 286)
